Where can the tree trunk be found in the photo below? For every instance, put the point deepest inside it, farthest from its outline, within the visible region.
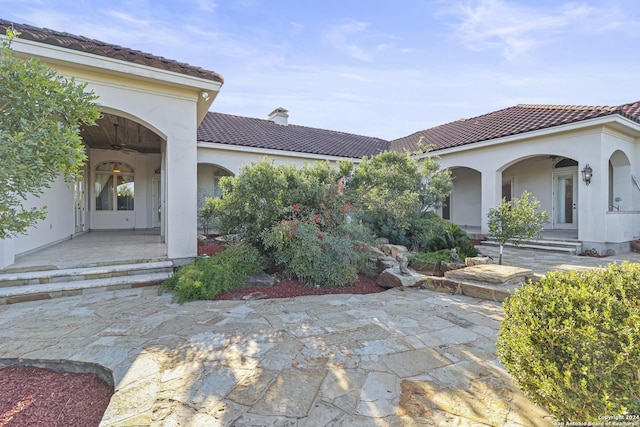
(500, 259)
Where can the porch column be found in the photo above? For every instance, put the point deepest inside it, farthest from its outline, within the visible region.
(491, 188)
(181, 192)
(593, 203)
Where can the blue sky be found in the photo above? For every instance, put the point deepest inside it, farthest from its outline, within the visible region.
(379, 68)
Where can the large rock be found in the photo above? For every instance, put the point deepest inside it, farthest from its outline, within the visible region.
(394, 250)
(262, 280)
(492, 273)
(393, 278)
(439, 284)
(477, 260)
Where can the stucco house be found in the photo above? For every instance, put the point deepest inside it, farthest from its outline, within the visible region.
(158, 152)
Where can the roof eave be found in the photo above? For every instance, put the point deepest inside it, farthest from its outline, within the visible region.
(619, 122)
(77, 59)
(272, 152)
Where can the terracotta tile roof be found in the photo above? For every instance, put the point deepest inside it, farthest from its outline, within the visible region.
(258, 133)
(509, 121)
(96, 47)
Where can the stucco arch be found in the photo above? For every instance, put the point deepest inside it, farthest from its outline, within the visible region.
(620, 184)
(209, 175)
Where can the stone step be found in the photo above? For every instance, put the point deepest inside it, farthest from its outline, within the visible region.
(561, 246)
(23, 293)
(28, 278)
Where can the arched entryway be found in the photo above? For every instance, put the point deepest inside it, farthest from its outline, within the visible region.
(620, 183)
(122, 186)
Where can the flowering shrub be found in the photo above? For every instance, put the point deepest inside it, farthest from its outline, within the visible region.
(264, 194)
(303, 249)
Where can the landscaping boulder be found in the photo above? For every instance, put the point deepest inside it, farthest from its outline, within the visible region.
(262, 280)
(477, 260)
(449, 266)
(394, 250)
(439, 284)
(393, 278)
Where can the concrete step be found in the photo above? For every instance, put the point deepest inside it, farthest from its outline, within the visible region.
(36, 292)
(560, 246)
(42, 277)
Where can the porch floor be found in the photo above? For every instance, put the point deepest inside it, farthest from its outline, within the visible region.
(95, 248)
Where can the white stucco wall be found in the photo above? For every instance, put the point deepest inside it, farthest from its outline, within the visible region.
(166, 102)
(466, 199)
(59, 223)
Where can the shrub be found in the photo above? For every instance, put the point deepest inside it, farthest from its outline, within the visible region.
(449, 237)
(321, 258)
(205, 278)
(391, 191)
(262, 194)
(207, 216)
(437, 258)
(572, 342)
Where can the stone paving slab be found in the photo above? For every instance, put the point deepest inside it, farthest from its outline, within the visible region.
(397, 358)
(491, 273)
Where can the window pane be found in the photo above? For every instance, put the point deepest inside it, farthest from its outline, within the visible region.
(104, 192)
(125, 193)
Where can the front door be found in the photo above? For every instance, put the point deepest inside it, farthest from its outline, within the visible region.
(78, 205)
(565, 199)
(156, 213)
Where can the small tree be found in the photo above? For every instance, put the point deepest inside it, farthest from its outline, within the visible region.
(515, 221)
(40, 117)
(392, 190)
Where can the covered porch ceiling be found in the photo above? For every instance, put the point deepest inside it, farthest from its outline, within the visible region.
(121, 134)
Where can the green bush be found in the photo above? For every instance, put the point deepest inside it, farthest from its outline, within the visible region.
(205, 278)
(438, 257)
(262, 194)
(391, 191)
(572, 342)
(321, 258)
(449, 237)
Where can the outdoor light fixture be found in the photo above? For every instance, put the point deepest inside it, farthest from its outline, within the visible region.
(116, 168)
(587, 172)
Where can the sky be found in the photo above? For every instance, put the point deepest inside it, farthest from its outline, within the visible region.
(382, 68)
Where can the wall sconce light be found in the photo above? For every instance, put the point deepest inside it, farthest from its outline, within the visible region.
(587, 173)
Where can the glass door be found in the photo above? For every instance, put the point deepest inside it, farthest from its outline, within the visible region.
(565, 197)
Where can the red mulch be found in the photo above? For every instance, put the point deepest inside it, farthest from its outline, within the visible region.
(37, 397)
(41, 397)
(209, 249)
(294, 288)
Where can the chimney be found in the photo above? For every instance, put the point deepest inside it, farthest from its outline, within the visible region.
(279, 116)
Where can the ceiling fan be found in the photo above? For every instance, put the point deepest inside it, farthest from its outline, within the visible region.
(120, 146)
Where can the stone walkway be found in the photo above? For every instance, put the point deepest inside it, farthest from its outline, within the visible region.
(398, 358)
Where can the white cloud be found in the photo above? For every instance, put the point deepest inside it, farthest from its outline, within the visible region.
(511, 28)
(338, 38)
(207, 5)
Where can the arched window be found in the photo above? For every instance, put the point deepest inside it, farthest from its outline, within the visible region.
(114, 186)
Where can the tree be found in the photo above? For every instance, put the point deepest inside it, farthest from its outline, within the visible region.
(40, 117)
(515, 221)
(392, 190)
